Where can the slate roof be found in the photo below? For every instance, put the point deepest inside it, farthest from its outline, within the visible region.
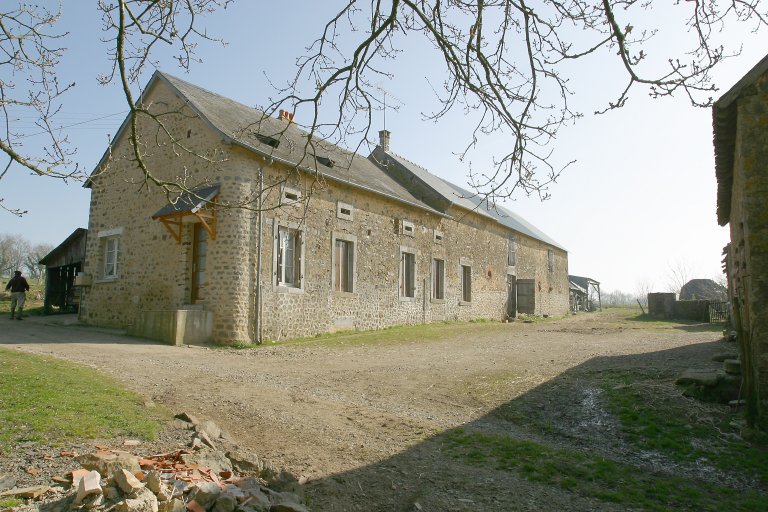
(468, 200)
(703, 289)
(187, 203)
(251, 129)
(724, 140)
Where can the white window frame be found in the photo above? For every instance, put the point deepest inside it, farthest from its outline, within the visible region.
(335, 285)
(465, 286)
(278, 284)
(438, 236)
(113, 262)
(511, 251)
(407, 228)
(287, 191)
(106, 238)
(550, 260)
(437, 279)
(345, 211)
(401, 283)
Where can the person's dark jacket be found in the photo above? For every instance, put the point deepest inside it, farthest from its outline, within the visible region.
(17, 284)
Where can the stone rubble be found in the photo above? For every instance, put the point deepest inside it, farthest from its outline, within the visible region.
(201, 479)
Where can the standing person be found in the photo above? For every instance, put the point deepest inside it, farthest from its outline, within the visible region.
(19, 288)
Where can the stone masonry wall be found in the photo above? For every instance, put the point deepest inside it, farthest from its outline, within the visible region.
(749, 229)
(155, 271)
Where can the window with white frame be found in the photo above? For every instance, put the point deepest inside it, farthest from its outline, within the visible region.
(511, 250)
(550, 260)
(111, 248)
(438, 279)
(438, 237)
(344, 211)
(288, 257)
(290, 196)
(344, 264)
(407, 273)
(407, 228)
(466, 283)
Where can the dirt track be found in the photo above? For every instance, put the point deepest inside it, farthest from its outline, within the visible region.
(363, 422)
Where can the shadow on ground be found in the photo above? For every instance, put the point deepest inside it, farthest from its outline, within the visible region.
(600, 436)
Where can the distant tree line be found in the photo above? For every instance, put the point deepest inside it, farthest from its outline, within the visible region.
(18, 253)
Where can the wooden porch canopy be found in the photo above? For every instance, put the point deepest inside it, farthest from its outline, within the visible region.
(190, 208)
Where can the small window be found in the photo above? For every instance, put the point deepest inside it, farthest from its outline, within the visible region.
(343, 265)
(466, 283)
(407, 274)
(290, 196)
(325, 161)
(438, 279)
(269, 141)
(511, 250)
(407, 228)
(550, 260)
(438, 237)
(111, 245)
(288, 245)
(344, 211)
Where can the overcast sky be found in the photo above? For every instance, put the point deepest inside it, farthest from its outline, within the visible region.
(640, 197)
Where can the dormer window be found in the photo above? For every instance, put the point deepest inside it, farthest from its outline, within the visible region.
(325, 161)
(269, 141)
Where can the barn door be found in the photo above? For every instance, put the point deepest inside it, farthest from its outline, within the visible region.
(526, 298)
(511, 296)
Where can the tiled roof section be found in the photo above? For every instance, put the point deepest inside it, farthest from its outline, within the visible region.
(724, 139)
(189, 203)
(252, 129)
(469, 201)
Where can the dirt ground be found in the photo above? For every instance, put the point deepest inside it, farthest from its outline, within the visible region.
(364, 423)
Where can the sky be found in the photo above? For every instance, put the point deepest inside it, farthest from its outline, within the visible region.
(639, 199)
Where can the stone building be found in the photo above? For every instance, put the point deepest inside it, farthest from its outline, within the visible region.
(343, 241)
(740, 119)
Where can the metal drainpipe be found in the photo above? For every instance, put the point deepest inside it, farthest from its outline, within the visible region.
(258, 255)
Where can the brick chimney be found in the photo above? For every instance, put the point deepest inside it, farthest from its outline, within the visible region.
(384, 140)
(286, 116)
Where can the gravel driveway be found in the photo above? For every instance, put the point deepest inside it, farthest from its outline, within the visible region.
(363, 422)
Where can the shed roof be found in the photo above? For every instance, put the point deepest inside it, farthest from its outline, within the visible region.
(463, 198)
(724, 128)
(63, 246)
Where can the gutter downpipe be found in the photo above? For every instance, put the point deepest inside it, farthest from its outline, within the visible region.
(258, 254)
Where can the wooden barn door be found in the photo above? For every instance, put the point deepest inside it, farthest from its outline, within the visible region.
(526, 298)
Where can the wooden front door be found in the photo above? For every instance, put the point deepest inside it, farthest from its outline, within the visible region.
(199, 255)
(526, 298)
(511, 296)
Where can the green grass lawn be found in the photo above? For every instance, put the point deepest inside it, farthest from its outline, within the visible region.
(49, 401)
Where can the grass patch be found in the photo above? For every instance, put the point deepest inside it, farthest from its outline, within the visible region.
(47, 400)
(687, 431)
(596, 477)
(389, 336)
(6, 503)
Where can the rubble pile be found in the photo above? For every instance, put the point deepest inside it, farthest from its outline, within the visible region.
(202, 478)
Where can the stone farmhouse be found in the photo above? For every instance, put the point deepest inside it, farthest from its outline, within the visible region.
(740, 118)
(341, 241)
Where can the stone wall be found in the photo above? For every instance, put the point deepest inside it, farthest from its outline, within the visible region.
(155, 271)
(749, 236)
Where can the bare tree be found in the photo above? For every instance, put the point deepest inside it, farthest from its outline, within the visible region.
(32, 260)
(642, 289)
(13, 250)
(508, 66)
(679, 272)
